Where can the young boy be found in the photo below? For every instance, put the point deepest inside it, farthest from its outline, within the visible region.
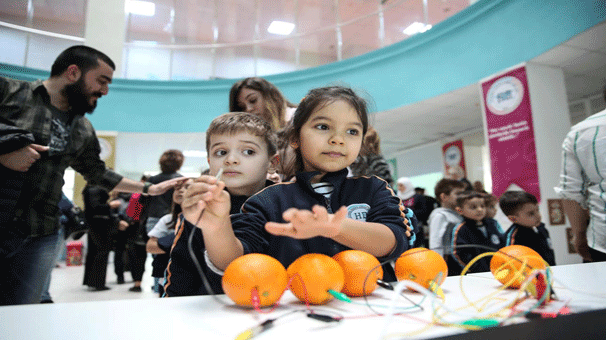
(446, 192)
(244, 146)
(474, 230)
(527, 229)
(490, 202)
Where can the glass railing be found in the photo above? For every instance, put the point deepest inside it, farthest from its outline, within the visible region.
(163, 49)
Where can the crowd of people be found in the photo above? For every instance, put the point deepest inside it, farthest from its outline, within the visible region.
(336, 191)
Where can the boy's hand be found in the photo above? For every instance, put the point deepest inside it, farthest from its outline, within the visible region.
(304, 224)
(205, 203)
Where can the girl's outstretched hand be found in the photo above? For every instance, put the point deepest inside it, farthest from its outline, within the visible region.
(303, 224)
(205, 203)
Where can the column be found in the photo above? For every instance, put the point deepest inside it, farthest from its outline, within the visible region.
(551, 124)
(106, 29)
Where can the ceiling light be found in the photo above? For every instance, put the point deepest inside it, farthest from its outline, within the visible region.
(416, 27)
(195, 153)
(145, 8)
(280, 27)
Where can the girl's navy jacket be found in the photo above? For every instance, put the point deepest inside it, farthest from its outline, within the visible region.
(367, 199)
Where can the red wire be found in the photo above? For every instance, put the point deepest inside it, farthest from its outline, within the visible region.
(256, 300)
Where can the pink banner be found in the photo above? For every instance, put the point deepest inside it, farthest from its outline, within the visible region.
(454, 159)
(513, 156)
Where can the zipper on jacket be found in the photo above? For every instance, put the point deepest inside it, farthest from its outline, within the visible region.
(327, 201)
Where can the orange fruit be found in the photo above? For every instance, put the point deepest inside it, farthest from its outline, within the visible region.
(508, 263)
(356, 265)
(421, 265)
(252, 272)
(315, 274)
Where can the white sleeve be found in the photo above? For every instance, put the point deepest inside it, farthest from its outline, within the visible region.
(572, 179)
(161, 228)
(211, 265)
(437, 226)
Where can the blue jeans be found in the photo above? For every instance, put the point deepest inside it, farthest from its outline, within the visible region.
(26, 267)
(61, 244)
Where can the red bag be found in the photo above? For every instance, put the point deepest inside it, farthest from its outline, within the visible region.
(133, 210)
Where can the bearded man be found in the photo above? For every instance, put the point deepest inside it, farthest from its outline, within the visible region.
(43, 131)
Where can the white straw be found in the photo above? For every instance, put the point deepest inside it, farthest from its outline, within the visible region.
(219, 173)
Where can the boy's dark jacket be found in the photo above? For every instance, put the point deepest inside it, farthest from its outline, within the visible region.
(468, 233)
(540, 242)
(182, 277)
(367, 198)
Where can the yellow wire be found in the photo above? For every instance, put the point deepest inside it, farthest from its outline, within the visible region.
(437, 319)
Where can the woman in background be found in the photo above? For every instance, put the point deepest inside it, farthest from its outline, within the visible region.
(258, 96)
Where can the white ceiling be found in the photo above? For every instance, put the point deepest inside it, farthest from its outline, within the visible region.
(453, 114)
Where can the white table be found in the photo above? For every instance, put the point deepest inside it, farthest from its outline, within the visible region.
(584, 284)
(203, 317)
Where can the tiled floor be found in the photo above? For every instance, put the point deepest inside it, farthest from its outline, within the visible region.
(66, 285)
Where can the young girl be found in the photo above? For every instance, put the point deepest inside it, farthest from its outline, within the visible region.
(161, 236)
(323, 211)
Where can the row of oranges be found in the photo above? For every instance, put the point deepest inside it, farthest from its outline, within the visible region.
(260, 280)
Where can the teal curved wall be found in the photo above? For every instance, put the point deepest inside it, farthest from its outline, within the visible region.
(485, 38)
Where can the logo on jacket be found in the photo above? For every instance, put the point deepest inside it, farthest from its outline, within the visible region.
(495, 239)
(358, 211)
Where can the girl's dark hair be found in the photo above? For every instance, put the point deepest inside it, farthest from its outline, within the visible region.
(274, 100)
(175, 211)
(171, 161)
(313, 101)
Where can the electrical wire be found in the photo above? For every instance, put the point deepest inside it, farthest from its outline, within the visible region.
(194, 258)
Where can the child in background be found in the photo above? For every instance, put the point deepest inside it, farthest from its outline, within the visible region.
(323, 211)
(244, 146)
(165, 227)
(446, 192)
(522, 209)
(490, 202)
(474, 230)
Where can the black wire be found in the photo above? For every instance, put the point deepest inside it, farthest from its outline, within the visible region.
(414, 304)
(194, 258)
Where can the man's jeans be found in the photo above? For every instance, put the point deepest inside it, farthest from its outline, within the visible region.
(25, 264)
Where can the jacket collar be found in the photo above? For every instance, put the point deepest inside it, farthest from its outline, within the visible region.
(38, 87)
(334, 178)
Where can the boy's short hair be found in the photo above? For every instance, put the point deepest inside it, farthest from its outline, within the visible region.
(512, 201)
(446, 186)
(235, 122)
(466, 196)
